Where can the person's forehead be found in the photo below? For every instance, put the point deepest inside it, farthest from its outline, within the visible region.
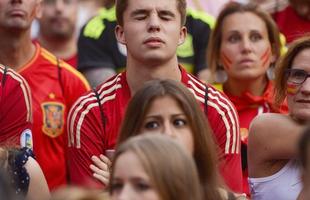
(152, 4)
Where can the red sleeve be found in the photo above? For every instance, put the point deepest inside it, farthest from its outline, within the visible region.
(16, 108)
(85, 140)
(224, 121)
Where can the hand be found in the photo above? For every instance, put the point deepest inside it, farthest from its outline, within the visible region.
(101, 168)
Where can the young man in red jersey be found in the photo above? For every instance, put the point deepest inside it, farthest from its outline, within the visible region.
(15, 110)
(54, 85)
(151, 31)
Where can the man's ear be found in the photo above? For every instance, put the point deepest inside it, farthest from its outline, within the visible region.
(183, 34)
(119, 33)
(38, 9)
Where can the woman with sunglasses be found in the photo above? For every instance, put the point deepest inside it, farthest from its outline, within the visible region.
(272, 147)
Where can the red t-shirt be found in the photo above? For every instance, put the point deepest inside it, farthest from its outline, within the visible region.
(88, 137)
(291, 24)
(15, 110)
(55, 86)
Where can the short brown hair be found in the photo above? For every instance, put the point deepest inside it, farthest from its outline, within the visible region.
(204, 148)
(286, 63)
(215, 40)
(121, 6)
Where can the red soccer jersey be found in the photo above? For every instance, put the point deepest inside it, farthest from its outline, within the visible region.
(15, 110)
(71, 60)
(55, 86)
(89, 137)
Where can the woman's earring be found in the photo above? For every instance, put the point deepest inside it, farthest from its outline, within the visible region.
(270, 72)
(220, 75)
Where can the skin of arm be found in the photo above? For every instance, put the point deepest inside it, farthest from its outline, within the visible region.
(273, 138)
(38, 188)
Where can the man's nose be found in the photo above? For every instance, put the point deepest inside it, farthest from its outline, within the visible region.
(59, 5)
(154, 23)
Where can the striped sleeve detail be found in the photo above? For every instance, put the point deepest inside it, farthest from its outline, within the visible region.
(225, 109)
(53, 59)
(83, 106)
(25, 89)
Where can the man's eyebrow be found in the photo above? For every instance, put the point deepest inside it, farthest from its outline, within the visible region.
(138, 12)
(167, 12)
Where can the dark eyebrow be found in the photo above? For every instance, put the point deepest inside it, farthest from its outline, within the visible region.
(144, 11)
(138, 12)
(167, 12)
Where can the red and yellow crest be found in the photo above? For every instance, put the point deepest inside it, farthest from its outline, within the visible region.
(53, 118)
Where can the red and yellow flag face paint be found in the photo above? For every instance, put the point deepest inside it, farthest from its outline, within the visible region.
(226, 61)
(292, 89)
(266, 56)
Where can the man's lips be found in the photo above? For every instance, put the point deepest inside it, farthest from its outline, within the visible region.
(153, 40)
(17, 12)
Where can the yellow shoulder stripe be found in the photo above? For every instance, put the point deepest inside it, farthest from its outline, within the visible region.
(51, 58)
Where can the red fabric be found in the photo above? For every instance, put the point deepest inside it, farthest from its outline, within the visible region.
(15, 109)
(51, 104)
(72, 61)
(248, 107)
(88, 137)
(290, 24)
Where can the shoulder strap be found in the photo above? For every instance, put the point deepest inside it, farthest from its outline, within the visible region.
(206, 100)
(60, 77)
(4, 76)
(3, 83)
(100, 109)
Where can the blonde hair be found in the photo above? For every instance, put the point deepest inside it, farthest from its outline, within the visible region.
(169, 166)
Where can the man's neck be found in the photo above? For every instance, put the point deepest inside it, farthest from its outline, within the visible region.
(139, 73)
(63, 49)
(16, 49)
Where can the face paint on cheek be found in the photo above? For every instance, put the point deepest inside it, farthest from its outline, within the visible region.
(266, 56)
(291, 89)
(226, 61)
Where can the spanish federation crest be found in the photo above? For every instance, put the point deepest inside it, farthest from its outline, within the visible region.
(53, 118)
